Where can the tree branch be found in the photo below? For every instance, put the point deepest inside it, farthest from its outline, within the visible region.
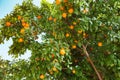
(91, 62)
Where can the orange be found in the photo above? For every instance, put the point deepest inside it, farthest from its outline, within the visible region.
(64, 15)
(61, 8)
(26, 26)
(62, 51)
(57, 2)
(54, 34)
(80, 31)
(22, 20)
(50, 71)
(19, 17)
(50, 18)
(73, 71)
(54, 19)
(67, 35)
(20, 40)
(85, 11)
(70, 10)
(99, 44)
(53, 55)
(54, 69)
(8, 24)
(71, 27)
(85, 35)
(22, 31)
(23, 24)
(42, 76)
(65, 0)
(74, 23)
(39, 17)
(75, 41)
(73, 46)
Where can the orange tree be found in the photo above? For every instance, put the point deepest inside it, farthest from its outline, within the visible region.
(11, 70)
(80, 39)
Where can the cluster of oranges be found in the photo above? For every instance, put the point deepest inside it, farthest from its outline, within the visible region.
(58, 1)
(51, 18)
(25, 25)
(64, 14)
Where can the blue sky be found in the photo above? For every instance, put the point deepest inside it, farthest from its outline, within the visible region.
(6, 6)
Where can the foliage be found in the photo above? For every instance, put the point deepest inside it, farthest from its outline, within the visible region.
(68, 25)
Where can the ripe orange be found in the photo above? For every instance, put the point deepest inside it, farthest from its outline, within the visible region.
(65, 0)
(50, 71)
(23, 24)
(73, 71)
(99, 44)
(61, 8)
(62, 52)
(20, 40)
(80, 31)
(53, 55)
(70, 10)
(54, 34)
(75, 41)
(39, 17)
(22, 31)
(8, 24)
(74, 23)
(19, 17)
(67, 35)
(57, 2)
(50, 18)
(54, 19)
(85, 11)
(71, 27)
(26, 26)
(54, 69)
(22, 20)
(42, 76)
(74, 46)
(64, 15)
(85, 35)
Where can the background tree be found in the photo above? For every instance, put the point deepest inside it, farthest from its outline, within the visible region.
(74, 34)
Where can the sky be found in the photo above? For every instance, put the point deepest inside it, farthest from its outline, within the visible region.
(6, 6)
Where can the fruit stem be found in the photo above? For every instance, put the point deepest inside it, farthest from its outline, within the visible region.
(91, 62)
